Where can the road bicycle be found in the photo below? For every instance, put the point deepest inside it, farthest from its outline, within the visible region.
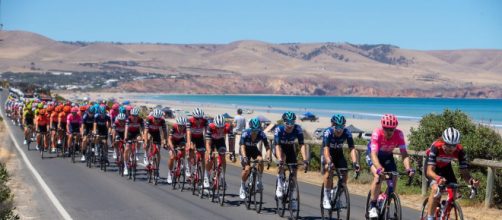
(339, 196)
(178, 173)
(254, 196)
(388, 204)
(152, 168)
(448, 209)
(291, 193)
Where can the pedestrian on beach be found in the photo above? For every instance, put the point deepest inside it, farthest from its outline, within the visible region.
(239, 126)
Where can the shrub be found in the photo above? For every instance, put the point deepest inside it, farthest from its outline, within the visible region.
(479, 141)
(6, 198)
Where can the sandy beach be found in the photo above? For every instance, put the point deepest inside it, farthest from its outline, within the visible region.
(367, 125)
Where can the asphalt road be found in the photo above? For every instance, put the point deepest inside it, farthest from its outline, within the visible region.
(93, 194)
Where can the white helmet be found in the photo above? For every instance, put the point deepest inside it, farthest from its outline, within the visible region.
(219, 121)
(157, 113)
(121, 117)
(451, 136)
(135, 111)
(181, 121)
(198, 113)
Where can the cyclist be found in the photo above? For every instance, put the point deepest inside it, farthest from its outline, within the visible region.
(42, 124)
(380, 158)
(249, 149)
(285, 151)
(54, 127)
(88, 125)
(439, 170)
(332, 152)
(101, 125)
(62, 120)
(73, 125)
(118, 133)
(196, 127)
(155, 126)
(177, 137)
(134, 128)
(28, 117)
(215, 140)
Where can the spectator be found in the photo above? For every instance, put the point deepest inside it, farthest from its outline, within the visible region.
(239, 125)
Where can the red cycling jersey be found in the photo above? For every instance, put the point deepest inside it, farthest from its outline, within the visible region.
(196, 127)
(178, 133)
(215, 133)
(154, 127)
(436, 155)
(118, 127)
(133, 125)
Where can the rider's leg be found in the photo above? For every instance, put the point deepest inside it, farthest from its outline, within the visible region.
(433, 202)
(375, 187)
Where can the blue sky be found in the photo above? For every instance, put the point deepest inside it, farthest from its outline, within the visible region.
(420, 24)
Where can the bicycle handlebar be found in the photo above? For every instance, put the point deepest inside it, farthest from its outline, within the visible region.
(440, 188)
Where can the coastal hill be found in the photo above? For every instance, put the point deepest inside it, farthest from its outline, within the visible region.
(260, 67)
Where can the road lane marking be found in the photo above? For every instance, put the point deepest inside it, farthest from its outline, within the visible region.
(62, 211)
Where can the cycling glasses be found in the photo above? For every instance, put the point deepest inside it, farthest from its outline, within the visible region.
(339, 127)
(289, 123)
(389, 130)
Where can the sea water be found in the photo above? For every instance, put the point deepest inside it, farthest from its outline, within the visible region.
(487, 111)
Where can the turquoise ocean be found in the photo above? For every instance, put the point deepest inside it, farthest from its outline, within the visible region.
(487, 111)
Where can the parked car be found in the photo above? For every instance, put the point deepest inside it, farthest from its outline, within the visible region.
(308, 116)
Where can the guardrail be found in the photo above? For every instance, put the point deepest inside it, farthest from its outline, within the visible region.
(491, 165)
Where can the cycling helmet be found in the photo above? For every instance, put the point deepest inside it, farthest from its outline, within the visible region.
(67, 109)
(219, 121)
(451, 136)
(255, 124)
(389, 121)
(198, 113)
(115, 106)
(83, 108)
(288, 116)
(128, 108)
(102, 110)
(181, 121)
(135, 111)
(338, 119)
(157, 113)
(121, 117)
(92, 109)
(122, 109)
(74, 110)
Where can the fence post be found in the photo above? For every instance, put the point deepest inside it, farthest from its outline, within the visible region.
(489, 187)
(424, 177)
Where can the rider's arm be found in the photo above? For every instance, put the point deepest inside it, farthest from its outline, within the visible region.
(170, 142)
(431, 163)
(304, 150)
(354, 154)
(404, 152)
(463, 166)
(277, 139)
(325, 146)
(207, 140)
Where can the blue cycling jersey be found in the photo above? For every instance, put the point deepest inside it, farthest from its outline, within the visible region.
(101, 120)
(281, 137)
(247, 141)
(330, 140)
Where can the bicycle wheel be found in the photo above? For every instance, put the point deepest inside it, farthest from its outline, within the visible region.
(134, 166)
(257, 198)
(182, 176)
(342, 203)
(222, 189)
(200, 171)
(195, 179)
(424, 213)
(175, 174)
(280, 203)
(367, 209)
(325, 214)
(156, 171)
(294, 211)
(214, 186)
(73, 149)
(455, 212)
(250, 190)
(392, 210)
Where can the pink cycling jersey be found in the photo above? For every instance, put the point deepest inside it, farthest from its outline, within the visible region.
(381, 144)
(71, 119)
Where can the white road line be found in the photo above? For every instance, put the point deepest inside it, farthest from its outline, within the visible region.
(62, 211)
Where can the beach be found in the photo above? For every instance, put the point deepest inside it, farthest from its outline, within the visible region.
(367, 125)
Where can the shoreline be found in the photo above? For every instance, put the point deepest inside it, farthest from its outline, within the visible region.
(363, 121)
